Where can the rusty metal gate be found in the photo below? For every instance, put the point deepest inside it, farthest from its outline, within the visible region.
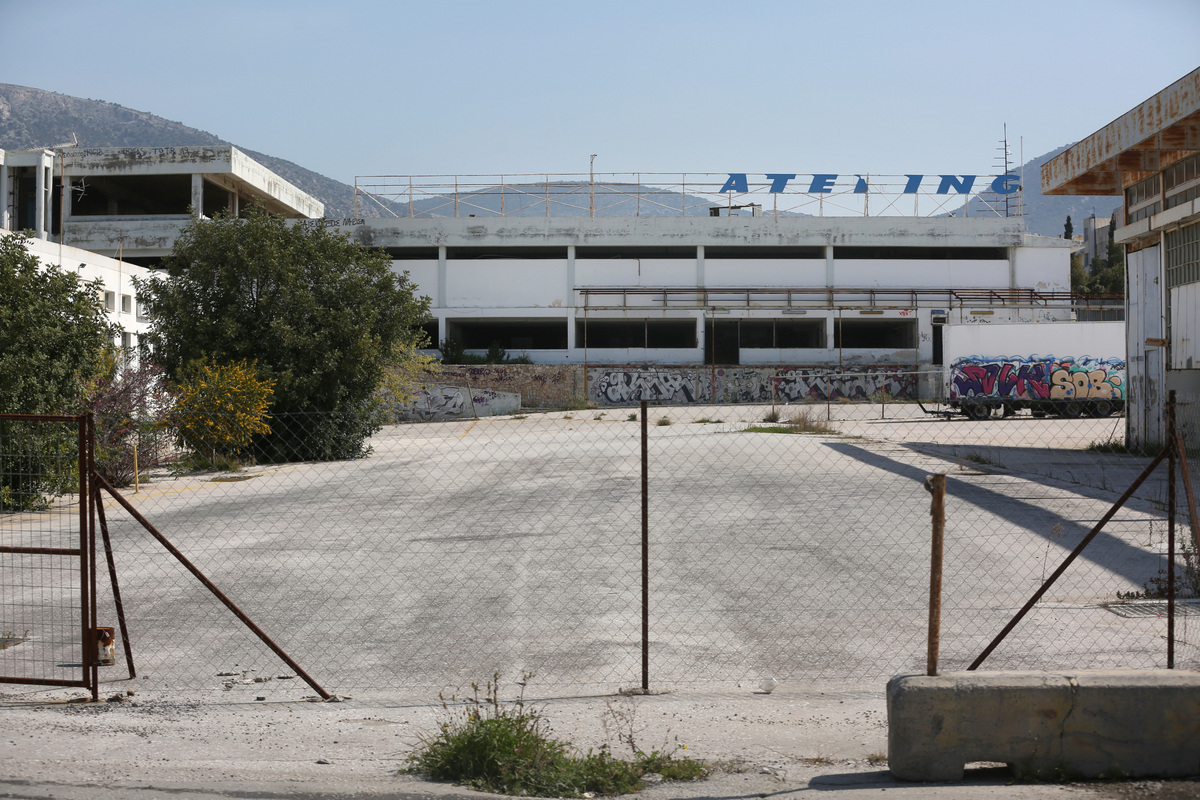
(47, 552)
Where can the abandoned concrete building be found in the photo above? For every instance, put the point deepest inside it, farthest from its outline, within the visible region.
(125, 208)
(1151, 156)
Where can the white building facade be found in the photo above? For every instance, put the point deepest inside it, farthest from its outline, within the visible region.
(834, 292)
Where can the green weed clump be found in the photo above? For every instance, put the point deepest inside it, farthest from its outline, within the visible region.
(506, 748)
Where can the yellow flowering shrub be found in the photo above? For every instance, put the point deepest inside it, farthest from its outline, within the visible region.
(220, 408)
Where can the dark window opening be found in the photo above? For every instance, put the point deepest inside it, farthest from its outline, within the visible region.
(721, 342)
(24, 191)
(526, 252)
(635, 333)
(764, 252)
(766, 334)
(412, 253)
(899, 334)
(512, 335)
(131, 195)
(924, 253)
(635, 252)
(430, 331)
(937, 344)
(216, 199)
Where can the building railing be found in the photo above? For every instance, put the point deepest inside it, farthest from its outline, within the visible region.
(761, 297)
(636, 194)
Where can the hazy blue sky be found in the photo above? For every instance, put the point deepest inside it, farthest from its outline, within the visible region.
(440, 87)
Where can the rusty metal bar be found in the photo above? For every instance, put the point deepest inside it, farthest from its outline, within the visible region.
(645, 549)
(112, 575)
(93, 642)
(936, 484)
(1070, 558)
(276, 649)
(1171, 430)
(42, 551)
(85, 629)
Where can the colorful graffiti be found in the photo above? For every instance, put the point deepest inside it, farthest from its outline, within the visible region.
(618, 386)
(1037, 378)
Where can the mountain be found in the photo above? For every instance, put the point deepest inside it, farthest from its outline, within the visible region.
(37, 118)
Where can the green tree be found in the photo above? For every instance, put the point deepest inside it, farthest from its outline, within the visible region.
(54, 334)
(54, 338)
(320, 316)
(1068, 229)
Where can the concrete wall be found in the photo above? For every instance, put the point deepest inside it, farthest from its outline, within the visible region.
(561, 385)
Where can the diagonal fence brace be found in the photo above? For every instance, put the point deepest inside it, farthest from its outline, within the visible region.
(276, 649)
(1158, 459)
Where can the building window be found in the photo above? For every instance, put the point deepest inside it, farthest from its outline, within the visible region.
(882, 334)
(126, 304)
(110, 301)
(636, 333)
(514, 335)
(1182, 257)
(759, 334)
(142, 314)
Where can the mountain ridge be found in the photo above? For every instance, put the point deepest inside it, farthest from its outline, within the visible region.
(31, 117)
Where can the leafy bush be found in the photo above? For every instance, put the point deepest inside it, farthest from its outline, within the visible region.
(319, 315)
(130, 405)
(220, 409)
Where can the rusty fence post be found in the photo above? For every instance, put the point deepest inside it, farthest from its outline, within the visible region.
(936, 485)
(1171, 458)
(645, 551)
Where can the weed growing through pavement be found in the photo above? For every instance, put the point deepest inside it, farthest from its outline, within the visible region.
(10, 639)
(805, 421)
(1109, 445)
(632, 418)
(663, 421)
(505, 747)
(706, 421)
(771, 416)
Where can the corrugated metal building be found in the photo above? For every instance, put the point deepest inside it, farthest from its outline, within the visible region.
(1151, 156)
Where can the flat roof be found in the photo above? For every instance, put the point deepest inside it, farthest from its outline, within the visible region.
(1139, 143)
(222, 164)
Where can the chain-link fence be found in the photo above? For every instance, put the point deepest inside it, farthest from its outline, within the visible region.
(782, 540)
(45, 573)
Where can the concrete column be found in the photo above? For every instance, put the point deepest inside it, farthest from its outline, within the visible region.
(700, 277)
(441, 277)
(39, 200)
(570, 283)
(830, 276)
(5, 219)
(198, 194)
(571, 333)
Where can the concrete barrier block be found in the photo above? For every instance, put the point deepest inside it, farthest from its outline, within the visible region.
(1045, 725)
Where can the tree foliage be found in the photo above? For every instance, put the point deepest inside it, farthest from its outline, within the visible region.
(318, 314)
(54, 334)
(130, 402)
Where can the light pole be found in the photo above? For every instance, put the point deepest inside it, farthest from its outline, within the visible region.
(592, 186)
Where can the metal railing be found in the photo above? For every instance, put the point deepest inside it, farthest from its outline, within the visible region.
(635, 194)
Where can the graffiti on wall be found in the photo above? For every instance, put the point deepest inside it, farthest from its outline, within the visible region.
(818, 385)
(1037, 378)
(451, 402)
(619, 386)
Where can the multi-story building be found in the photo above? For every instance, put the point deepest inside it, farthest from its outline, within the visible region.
(1151, 156)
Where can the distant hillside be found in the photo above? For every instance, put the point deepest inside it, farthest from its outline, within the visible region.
(1046, 214)
(36, 118)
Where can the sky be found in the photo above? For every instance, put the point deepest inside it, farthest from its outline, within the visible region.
(654, 86)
